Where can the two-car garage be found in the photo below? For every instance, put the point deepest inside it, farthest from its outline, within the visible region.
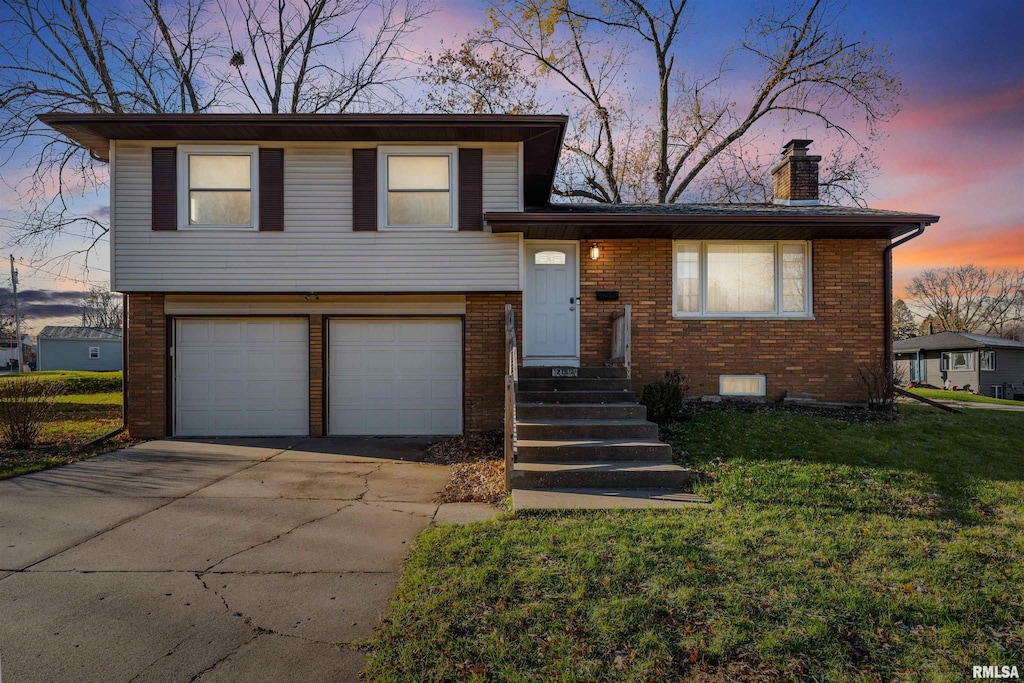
(250, 376)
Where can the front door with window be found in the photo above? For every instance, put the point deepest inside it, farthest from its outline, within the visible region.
(551, 304)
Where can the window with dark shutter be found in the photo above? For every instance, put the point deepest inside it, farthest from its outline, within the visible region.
(165, 188)
(271, 194)
(364, 189)
(471, 189)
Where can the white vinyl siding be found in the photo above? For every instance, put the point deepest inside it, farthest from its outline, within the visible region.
(317, 251)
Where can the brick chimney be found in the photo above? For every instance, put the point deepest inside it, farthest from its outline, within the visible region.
(796, 176)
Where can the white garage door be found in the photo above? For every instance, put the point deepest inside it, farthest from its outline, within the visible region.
(395, 376)
(241, 377)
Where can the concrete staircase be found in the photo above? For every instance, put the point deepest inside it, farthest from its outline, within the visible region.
(587, 432)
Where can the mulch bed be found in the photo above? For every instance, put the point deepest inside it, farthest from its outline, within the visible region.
(476, 467)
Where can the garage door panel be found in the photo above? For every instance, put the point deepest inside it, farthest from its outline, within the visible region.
(395, 376)
(226, 333)
(239, 377)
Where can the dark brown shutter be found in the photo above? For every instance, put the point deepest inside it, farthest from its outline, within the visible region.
(271, 189)
(471, 189)
(364, 189)
(165, 188)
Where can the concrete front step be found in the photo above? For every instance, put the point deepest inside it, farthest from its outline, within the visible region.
(602, 499)
(586, 429)
(545, 372)
(592, 450)
(617, 475)
(574, 384)
(580, 411)
(575, 396)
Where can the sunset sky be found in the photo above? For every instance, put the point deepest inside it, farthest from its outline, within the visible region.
(956, 149)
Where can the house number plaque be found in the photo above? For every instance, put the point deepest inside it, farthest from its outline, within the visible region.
(564, 372)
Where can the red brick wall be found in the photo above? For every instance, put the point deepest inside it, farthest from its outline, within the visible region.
(796, 178)
(819, 356)
(483, 393)
(146, 367)
(316, 375)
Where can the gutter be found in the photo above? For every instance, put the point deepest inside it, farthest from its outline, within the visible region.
(887, 261)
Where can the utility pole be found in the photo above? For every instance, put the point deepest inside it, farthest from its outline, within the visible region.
(17, 318)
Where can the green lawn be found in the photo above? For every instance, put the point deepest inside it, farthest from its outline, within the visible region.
(75, 381)
(943, 395)
(78, 419)
(833, 552)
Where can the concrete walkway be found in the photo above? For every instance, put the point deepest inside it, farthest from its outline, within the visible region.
(259, 560)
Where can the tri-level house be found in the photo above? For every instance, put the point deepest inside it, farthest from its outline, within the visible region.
(349, 274)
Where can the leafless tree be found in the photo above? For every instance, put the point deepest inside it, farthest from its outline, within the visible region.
(472, 79)
(314, 56)
(102, 308)
(970, 298)
(58, 55)
(809, 71)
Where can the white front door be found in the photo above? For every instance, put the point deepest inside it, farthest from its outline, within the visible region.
(550, 304)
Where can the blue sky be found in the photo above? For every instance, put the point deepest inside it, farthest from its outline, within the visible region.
(956, 149)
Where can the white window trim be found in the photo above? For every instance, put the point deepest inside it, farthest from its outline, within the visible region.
(451, 151)
(806, 314)
(944, 365)
(981, 363)
(254, 185)
(92, 349)
(761, 391)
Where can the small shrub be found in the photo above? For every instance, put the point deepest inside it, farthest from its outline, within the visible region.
(664, 398)
(881, 380)
(25, 406)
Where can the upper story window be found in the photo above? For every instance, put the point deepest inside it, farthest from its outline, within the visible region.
(217, 187)
(742, 279)
(988, 360)
(417, 188)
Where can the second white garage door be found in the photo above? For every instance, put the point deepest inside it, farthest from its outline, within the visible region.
(395, 376)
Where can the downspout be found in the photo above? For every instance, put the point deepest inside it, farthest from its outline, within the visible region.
(887, 261)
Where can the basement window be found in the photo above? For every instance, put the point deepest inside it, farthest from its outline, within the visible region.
(741, 385)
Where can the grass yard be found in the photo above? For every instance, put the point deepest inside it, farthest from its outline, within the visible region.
(93, 410)
(833, 552)
(943, 395)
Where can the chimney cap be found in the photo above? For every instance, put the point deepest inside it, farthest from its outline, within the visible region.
(796, 146)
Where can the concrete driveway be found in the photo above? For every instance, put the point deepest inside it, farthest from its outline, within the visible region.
(259, 560)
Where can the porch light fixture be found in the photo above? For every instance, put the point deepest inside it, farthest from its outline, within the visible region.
(594, 252)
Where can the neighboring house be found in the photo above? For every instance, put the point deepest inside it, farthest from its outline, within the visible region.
(80, 348)
(992, 366)
(9, 350)
(348, 274)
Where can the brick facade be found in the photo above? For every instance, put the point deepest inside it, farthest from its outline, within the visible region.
(820, 356)
(483, 390)
(316, 375)
(146, 367)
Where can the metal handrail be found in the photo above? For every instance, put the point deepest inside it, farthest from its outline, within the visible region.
(511, 377)
(622, 339)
